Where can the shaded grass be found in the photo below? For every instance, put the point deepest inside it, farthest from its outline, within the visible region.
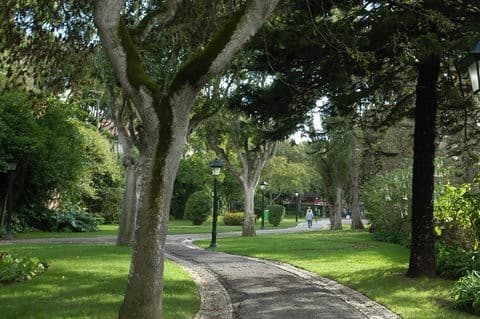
(87, 281)
(174, 227)
(103, 230)
(354, 259)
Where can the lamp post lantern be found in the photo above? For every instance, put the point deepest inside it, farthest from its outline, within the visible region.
(474, 69)
(296, 203)
(11, 167)
(216, 166)
(263, 186)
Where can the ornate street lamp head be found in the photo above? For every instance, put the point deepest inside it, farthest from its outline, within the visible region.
(263, 185)
(216, 165)
(474, 69)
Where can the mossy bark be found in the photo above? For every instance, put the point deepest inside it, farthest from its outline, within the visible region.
(165, 121)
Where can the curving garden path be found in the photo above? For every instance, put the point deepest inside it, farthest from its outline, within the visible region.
(236, 287)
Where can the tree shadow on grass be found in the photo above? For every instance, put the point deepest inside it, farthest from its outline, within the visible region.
(78, 294)
(412, 297)
(84, 281)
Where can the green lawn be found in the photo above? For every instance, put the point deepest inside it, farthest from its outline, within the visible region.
(87, 281)
(175, 227)
(186, 227)
(354, 259)
(103, 230)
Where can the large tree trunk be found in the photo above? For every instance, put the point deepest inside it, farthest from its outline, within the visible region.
(127, 139)
(331, 212)
(128, 216)
(356, 218)
(337, 217)
(166, 120)
(249, 220)
(144, 290)
(422, 253)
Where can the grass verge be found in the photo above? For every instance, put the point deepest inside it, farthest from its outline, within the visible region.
(87, 281)
(103, 230)
(186, 227)
(356, 260)
(174, 227)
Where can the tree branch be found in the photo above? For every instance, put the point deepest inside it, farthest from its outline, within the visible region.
(210, 61)
(224, 158)
(161, 16)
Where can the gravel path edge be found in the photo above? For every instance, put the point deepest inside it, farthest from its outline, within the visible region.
(215, 302)
(371, 309)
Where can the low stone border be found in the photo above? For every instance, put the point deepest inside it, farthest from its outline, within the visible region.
(215, 301)
(362, 303)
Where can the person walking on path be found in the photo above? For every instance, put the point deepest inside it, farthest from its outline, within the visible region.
(309, 217)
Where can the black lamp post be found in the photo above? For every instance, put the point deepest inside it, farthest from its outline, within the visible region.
(263, 186)
(216, 165)
(298, 206)
(12, 166)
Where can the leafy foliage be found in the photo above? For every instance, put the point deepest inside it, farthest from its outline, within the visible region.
(16, 269)
(466, 292)
(192, 176)
(386, 203)
(390, 236)
(457, 212)
(41, 137)
(76, 220)
(275, 214)
(233, 219)
(60, 160)
(286, 177)
(453, 263)
(198, 207)
(101, 184)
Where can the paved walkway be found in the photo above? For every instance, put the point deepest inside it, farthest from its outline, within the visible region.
(235, 287)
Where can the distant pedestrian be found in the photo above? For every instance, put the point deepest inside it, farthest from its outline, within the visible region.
(309, 217)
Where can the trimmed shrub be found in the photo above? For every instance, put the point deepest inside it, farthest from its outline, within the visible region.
(198, 207)
(16, 269)
(466, 293)
(233, 219)
(76, 220)
(275, 214)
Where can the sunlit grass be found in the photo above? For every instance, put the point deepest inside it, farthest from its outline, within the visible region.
(186, 227)
(87, 281)
(354, 259)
